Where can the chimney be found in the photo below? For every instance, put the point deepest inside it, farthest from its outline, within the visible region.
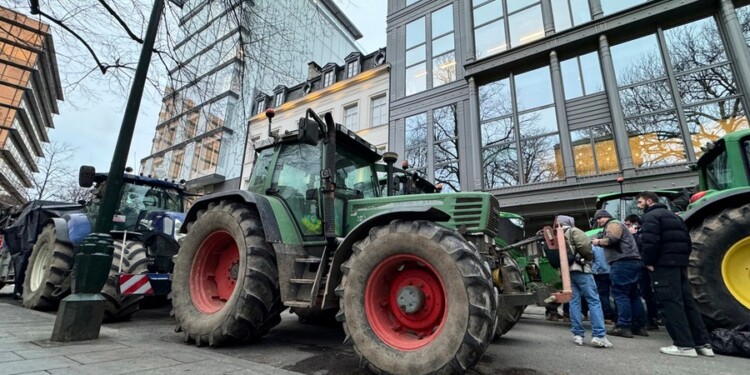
(313, 70)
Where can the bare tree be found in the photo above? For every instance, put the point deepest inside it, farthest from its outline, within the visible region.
(55, 175)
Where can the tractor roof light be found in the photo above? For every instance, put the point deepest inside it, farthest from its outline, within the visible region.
(698, 196)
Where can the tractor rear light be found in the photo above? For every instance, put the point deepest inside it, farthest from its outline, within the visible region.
(697, 196)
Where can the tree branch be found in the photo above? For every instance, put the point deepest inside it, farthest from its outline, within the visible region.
(121, 22)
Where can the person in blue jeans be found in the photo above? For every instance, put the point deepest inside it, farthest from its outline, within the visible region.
(583, 285)
(625, 270)
(600, 269)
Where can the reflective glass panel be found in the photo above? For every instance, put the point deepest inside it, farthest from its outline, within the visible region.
(572, 83)
(415, 55)
(442, 45)
(444, 123)
(443, 69)
(743, 14)
(448, 176)
(497, 131)
(500, 166)
(580, 10)
(494, 100)
(416, 79)
(415, 33)
(646, 98)
(488, 12)
(612, 6)
(442, 21)
(695, 45)
(637, 60)
(526, 26)
(417, 157)
(709, 122)
(539, 162)
(446, 151)
(490, 39)
(707, 84)
(531, 124)
(416, 131)
(533, 89)
(592, 73)
(655, 140)
(561, 14)
(514, 5)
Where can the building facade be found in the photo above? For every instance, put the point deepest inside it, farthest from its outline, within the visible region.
(355, 93)
(29, 90)
(548, 102)
(230, 51)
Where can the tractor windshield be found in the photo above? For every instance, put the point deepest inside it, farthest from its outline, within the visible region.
(137, 200)
(717, 172)
(257, 182)
(296, 180)
(630, 207)
(355, 173)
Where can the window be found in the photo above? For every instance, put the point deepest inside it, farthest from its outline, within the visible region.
(416, 56)
(415, 142)
(351, 117)
(519, 139)
(352, 69)
(569, 13)
(593, 150)
(379, 110)
(328, 78)
(614, 6)
(582, 75)
(497, 29)
(176, 167)
(410, 2)
(278, 100)
(445, 144)
(743, 14)
(259, 107)
(443, 55)
(718, 172)
(297, 171)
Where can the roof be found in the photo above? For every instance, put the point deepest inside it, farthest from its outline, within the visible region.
(341, 17)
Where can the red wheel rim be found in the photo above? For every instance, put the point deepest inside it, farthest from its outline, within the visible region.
(213, 276)
(405, 302)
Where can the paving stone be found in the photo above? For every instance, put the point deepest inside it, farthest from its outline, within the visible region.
(111, 355)
(185, 357)
(209, 367)
(69, 349)
(13, 346)
(31, 365)
(9, 356)
(122, 366)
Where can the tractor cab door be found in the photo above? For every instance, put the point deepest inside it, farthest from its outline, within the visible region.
(296, 180)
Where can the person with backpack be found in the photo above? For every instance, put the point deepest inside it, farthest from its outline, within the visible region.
(666, 247)
(626, 268)
(583, 285)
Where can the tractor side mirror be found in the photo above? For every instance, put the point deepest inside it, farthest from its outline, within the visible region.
(82, 202)
(309, 132)
(86, 175)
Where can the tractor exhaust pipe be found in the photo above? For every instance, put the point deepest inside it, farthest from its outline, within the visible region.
(329, 176)
(390, 158)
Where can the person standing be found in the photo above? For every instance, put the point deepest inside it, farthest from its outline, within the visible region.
(633, 223)
(625, 272)
(583, 285)
(666, 248)
(600, 269)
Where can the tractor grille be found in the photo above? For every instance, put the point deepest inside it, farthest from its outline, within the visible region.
(493, 223)
(468, 213)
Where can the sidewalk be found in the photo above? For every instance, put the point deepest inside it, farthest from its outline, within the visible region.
(25, 348)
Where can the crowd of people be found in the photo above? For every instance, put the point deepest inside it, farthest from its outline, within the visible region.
(639, 258)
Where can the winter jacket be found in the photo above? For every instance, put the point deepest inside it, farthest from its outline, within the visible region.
(581, 245)
(665, 240)
(618, 242)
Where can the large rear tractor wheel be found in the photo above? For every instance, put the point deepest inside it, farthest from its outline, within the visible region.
(119, 307)
(48, 265)
(225, 286)
(512, 282)
(416, 298)
(719, 269)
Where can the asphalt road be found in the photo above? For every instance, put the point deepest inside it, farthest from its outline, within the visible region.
(534, 346)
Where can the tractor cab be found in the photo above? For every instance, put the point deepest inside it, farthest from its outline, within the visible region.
(724, 166)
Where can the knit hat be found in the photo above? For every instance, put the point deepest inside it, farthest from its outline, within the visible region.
(565, 221)
(601, 213)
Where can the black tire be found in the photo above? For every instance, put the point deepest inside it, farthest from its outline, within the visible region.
(48, 267)
(254, 306)
(466, 331)
(118, 307)
(711, 241)
(512, 278)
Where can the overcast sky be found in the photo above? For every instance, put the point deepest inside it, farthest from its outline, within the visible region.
(93, 129)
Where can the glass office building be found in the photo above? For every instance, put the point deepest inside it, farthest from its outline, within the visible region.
(546, 103)
(228, 52)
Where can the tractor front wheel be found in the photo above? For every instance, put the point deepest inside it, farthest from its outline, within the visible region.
(512, 282)
(225, 287)
(48, 267)
(135, 261)
(416, 298)
(719, 269)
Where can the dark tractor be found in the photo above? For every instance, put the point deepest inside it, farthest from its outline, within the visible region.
(145, 230)
(410, 276)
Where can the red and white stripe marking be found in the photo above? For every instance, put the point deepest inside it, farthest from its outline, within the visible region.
(134, 284)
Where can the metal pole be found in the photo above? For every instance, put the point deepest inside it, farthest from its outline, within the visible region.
(120, 158)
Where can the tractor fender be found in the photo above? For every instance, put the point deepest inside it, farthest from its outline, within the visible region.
(714, 204)
(71, 229)
(344, 250)
(267, 217)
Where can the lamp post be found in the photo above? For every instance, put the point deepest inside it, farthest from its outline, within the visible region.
(80, 314)
(620, 180)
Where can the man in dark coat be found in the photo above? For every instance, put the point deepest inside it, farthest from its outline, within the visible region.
(633, 223)
(666, 247)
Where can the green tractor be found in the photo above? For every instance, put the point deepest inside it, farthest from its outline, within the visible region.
(719, 221)
(410, 276)
(623, 204)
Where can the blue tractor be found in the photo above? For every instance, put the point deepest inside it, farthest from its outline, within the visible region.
(146, 229)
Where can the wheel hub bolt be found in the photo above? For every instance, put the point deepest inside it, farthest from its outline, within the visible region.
(234, 271)
(410, 299)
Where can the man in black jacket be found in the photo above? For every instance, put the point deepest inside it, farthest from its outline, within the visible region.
(666, 247)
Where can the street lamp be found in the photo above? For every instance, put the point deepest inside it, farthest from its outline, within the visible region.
(80, 314)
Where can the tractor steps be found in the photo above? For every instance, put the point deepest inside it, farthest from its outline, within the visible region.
(302, 281)
(297, 303)
(310, 259)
